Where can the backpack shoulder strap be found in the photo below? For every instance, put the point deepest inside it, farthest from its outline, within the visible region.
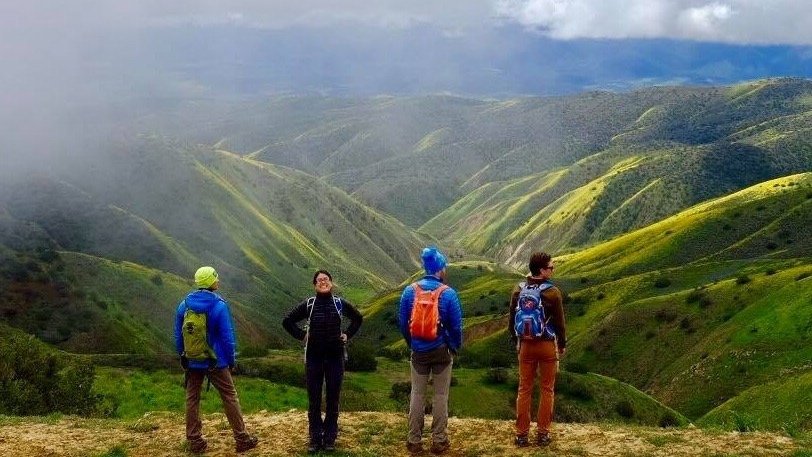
(439, 291)
(310, 302)
(339, 304)
(416, 287)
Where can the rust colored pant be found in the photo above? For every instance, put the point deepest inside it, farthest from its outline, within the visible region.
(536, 356)
(220, 379)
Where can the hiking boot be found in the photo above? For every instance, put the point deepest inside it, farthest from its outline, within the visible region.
(313, 447)
(522, 441)
(246, 444)
(198, 446)
(544, 439)
(438, 447)
(414, 448)
(329, 447)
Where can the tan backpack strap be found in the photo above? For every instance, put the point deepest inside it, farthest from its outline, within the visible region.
(417, 288)
(436, 293)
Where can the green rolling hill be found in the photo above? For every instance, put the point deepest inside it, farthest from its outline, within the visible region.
(679, 217)
(265, 227)
(414, 157)
(700, 307)
(653, 169)
(702, 310)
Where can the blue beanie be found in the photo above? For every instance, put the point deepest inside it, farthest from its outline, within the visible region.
(433, 260)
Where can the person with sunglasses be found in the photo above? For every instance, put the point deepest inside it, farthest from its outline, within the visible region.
(325, 354)
(539, 333)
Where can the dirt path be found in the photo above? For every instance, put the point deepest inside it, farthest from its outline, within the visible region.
(367, 434)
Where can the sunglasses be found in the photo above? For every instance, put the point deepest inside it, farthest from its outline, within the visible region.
(323, 280)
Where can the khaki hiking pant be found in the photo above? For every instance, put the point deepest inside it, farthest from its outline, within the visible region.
(536, 357)
(222, 381)
(437, 364)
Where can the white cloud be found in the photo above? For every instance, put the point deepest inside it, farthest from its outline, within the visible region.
(732, 21)
(729, 21)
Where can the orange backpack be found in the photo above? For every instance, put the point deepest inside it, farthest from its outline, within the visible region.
(425, 320)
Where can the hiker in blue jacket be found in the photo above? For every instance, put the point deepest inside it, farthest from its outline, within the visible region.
(212, 356)
(430, 320)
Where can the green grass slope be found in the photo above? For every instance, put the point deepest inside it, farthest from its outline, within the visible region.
(606, 195)
(702, 306)
(413, 157)
(265, 228)
(188, 205)
(772, 406)
(766, 220)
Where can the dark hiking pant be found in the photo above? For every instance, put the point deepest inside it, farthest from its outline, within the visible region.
(320, 370)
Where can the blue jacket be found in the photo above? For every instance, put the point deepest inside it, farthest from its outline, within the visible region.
(219, 329)
(450, 317)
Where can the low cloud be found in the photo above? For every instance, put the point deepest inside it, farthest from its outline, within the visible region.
(725, 21)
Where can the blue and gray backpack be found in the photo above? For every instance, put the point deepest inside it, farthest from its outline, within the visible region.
(531, 322)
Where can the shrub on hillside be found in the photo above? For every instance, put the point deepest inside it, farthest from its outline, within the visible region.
(665, 315)
(400, 392)
(705, 302)
(743, 279)
(394, 353)
(693, 296)
(572, 387)
(35, 380)
(361, 357)
(569, 412)
(291, 374)
(662, 283)
(669, 419)
(253, 351)
(625, 409)
(577, 367)
(497, 375)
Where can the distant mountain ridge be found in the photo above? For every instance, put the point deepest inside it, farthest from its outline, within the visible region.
(414, 157)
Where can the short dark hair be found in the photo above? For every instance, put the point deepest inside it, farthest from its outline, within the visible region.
(539, 261)
(321, 272)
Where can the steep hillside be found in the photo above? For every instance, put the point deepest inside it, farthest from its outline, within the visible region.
(700, 307)
(609, 194)
(266, 228)
(773, 405)
(696, 309)
(414, 157)
(766, 220)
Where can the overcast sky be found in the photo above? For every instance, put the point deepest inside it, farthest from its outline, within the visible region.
(59, 53)
(72, 67)
(729, 21)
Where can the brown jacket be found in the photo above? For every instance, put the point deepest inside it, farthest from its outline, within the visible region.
(552, 301)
